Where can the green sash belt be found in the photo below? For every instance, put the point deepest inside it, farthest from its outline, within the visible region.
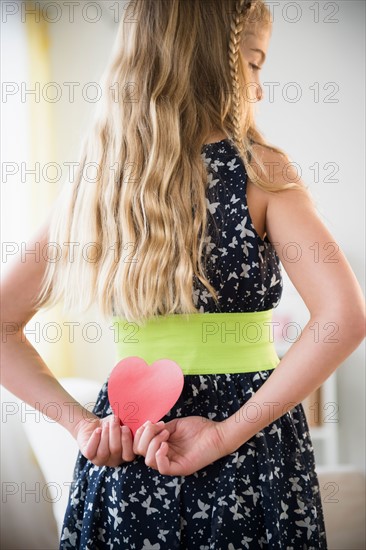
(202, 343)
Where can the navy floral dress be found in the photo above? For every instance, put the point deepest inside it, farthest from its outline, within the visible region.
(263, 495)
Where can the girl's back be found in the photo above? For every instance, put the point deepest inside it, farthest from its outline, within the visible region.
(266, 493)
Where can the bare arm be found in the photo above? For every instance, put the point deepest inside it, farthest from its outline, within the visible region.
(103, 441)
(23, 371)
(331, 293)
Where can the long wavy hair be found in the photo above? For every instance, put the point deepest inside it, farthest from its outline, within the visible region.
(176, 75)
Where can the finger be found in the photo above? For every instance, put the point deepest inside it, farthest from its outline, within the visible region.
(137, 436)
(103, 449)
(145, 435)
(162, 461)
(93, 444)
(127, 444)
(115, 439)
(153, 448)
(136, 439)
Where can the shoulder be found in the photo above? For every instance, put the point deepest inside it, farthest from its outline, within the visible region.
(307, 249)
(280, 170)
(275, 166)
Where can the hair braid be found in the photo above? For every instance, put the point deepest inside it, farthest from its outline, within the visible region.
(237, 25)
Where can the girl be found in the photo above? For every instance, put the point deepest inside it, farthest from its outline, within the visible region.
(186, 177)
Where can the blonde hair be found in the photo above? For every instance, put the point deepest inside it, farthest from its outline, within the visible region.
(140, 227)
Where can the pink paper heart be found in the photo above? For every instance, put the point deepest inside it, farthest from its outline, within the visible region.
(138, 392)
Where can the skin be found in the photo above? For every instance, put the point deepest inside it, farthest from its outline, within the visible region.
(185, 445)
(254, 47)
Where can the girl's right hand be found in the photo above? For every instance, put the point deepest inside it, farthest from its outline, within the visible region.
(104, 441)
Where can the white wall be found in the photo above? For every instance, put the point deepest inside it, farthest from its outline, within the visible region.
(14, 134)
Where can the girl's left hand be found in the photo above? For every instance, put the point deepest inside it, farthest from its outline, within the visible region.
(182, 447)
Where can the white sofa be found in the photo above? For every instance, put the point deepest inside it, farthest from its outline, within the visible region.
(37, 455)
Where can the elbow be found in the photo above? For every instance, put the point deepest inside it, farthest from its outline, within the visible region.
(360, 322)
(354, 326)
(362, 326)
(348, 324)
